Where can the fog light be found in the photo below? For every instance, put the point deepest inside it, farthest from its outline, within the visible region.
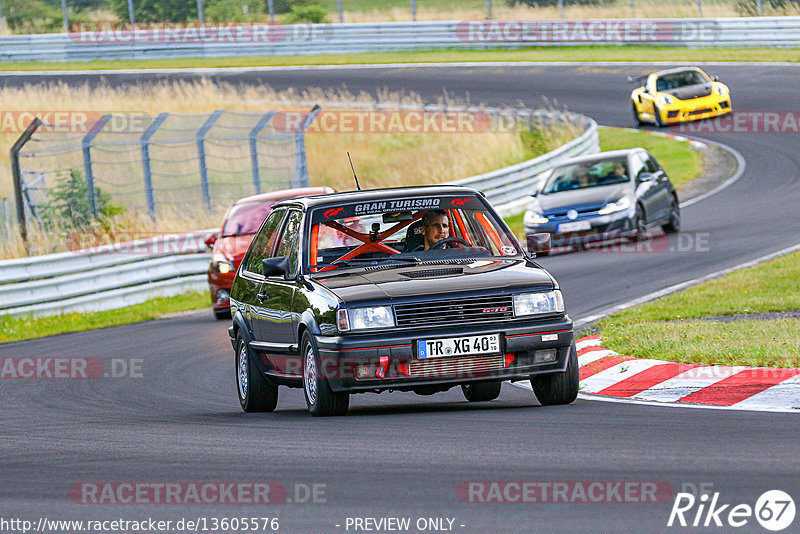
(365, 370)
(545, 356)
(223, 296)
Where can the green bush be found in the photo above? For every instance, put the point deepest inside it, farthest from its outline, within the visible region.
(313, 14)
(550, 3)
(31, 16)
(238, 10)
(156, 10)
(69, 208)
(282, 7)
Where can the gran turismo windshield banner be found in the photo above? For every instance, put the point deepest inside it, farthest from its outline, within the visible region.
(395, 205)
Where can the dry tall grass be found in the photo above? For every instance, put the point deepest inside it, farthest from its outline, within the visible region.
(381, 159)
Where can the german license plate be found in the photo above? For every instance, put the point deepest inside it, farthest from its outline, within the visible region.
(576, 226)
(458, 346)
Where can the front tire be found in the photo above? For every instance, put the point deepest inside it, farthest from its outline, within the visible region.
(673, 226)
(657, 113)
(637, 119)
(640, 224)
(320, 399)
(256, 394)
(558, 388)
(481, 391)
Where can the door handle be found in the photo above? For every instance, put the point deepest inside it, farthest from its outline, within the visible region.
(262, 297)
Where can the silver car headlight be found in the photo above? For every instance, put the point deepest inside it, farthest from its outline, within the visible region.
(618, 205)
(364, 318)
(668, 99)
(533, 218)
(541, 303)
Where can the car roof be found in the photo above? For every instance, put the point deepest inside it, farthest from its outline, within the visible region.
(601, 156)
(380, 194)
(673, 71)
(284, 194)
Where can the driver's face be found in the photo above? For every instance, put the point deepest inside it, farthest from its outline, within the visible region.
(439, 229)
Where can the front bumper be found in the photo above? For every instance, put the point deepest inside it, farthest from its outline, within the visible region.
(701, 108)
(388, 360)
(602, 228)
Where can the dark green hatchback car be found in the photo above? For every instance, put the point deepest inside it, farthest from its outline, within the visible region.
(409, 289)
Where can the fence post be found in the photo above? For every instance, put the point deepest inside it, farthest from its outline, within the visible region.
(86, 145)
(340, 8)
(130, 13)
(700, 7)
(561, 8)
(633, 8)
(271, 9)
(489, 9)
(64, 15)
(7, 214)
(414, 10)
(759, 7)
(200, 11)
(17, 175)
(301, 164)
(262, 123)
(201, 153)
(148, 175)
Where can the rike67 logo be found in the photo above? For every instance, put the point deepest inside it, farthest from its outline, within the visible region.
(774, 510)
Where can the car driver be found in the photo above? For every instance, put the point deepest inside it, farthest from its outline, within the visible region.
(435, 227)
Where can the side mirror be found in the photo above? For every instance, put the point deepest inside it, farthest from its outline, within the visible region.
(535, 193)
(715, 77)
(539, 243)
(210, 240)
(646, 177)
(276, 266)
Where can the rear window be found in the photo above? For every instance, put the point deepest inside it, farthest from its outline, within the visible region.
(245, 219)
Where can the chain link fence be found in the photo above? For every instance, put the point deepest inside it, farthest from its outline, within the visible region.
(167, 167)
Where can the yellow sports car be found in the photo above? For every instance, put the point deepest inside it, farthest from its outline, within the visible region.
(678, 95)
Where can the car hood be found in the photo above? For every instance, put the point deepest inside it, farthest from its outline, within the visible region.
(233, 247)
(589, 199)
(435, 281)
(690, 91)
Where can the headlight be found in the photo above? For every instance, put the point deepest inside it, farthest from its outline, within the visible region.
(621, 204)
(531, 218)
(668, 99)
(221, 264)
(538, 303)
(364, 318)
(719, 90)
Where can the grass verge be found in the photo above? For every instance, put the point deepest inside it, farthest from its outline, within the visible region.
(669, 329)
(620, 54)
(19, 328)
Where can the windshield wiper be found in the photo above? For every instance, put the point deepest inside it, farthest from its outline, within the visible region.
(352, 262)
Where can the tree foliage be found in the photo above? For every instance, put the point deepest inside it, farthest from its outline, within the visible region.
(69, 206)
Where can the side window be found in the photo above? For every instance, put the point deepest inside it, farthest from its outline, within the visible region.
(637, 165)
(288, 243)
(264, 242)
(651, 165)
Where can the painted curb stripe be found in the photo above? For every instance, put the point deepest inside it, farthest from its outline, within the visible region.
(646, 379)
(602, 364)
(740, 386)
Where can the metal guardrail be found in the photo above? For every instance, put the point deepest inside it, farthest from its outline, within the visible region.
(299, 39)
(112, 276)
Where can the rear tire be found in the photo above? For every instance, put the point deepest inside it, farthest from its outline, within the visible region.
(558, 388)
(657, 113)
(481, 391)
(256, 394)
(320, 399)
(673, 226)
(637, 120)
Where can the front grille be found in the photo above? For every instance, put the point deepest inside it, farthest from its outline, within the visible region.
(723, 105)
(455, 311)
(462, 367)
(563, 214)
(699, 111)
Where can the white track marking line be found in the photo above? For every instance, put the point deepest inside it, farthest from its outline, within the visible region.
(589, 357)
(588, 343)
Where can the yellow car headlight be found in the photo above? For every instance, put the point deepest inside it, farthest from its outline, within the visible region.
(668, 99)
(720, 90)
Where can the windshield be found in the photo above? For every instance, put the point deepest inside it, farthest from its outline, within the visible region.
(680, 79)
(590, 174)
(245, 219)
(406, 230)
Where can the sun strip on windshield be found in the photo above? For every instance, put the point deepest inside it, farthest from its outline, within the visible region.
(312, 247)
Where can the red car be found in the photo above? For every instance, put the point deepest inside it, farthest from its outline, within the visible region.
(240, 224)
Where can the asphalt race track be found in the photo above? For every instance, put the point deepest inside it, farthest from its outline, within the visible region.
(176, 419)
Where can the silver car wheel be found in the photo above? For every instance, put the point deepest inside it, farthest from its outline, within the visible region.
(243, 372)
(310, 376)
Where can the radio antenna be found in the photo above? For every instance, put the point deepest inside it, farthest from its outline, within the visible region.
(354, 171)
